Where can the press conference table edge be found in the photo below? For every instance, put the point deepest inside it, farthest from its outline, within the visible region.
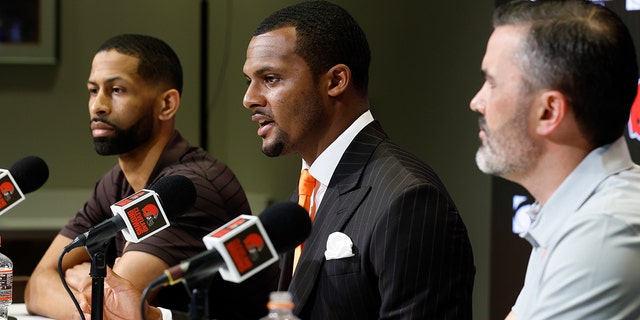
(19, 312)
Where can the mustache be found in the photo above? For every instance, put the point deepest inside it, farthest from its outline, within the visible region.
(257, 112)
(98, 119)
(482, 123)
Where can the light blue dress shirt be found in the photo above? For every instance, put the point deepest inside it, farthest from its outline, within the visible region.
(585, 261)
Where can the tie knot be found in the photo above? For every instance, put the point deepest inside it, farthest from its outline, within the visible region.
(307, 183)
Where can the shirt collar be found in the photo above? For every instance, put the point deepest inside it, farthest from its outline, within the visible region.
(576, 189)
(323, 167)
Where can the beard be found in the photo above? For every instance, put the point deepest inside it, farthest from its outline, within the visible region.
(509, 150)
(277, 147)
(124, 140)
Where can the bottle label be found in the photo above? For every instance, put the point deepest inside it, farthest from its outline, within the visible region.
(6, 285)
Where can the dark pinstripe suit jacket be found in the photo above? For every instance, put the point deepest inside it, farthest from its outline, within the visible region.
(413, 258)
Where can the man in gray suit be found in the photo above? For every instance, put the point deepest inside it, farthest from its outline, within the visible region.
(402, 248)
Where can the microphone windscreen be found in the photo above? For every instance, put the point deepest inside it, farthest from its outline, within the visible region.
(287, 225)
(177, 193)
(30, 173)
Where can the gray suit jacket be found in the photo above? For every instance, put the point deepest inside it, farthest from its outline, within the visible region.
(413, 258)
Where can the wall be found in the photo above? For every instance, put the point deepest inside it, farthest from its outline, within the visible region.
(426, 58)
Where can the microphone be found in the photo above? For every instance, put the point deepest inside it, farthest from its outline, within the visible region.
(244, 246)
(26, 175)
(143, 213)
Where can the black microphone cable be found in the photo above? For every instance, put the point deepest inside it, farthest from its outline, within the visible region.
(145, 293)
(66, 285)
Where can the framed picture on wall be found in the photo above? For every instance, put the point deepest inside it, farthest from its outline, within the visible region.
(28, 31)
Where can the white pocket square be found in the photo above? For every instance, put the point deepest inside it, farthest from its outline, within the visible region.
(339, 246)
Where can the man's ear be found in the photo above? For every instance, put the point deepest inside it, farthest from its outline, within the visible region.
(552, 111)
(169, 104)
(339, 78)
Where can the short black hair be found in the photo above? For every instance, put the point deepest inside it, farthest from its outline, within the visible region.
(158, 61)
(327, 35)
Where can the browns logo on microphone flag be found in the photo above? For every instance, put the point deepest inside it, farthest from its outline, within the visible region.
(142, 213)
(11, 194)
(244, 245)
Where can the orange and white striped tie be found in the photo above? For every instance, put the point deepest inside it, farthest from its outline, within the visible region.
(306, 185)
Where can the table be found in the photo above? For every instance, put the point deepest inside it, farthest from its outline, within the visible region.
(18, 311)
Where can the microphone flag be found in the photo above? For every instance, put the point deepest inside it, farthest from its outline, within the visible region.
(11, 193)
(142, 212)
(244, 245)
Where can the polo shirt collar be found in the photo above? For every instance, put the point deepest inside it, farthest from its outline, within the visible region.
(575, 190)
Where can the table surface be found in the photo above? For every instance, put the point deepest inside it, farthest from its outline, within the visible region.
(18, 311)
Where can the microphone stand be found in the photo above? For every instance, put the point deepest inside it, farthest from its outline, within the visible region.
(199, 304)
(98, 273)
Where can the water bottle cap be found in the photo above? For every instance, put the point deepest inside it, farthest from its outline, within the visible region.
(280, 299)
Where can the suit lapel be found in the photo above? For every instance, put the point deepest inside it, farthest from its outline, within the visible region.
(342, 198)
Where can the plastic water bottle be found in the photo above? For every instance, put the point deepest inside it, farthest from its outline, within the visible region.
(6, 284)
(280, 307)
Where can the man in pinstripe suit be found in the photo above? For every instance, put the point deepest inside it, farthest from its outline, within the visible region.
(407, 255)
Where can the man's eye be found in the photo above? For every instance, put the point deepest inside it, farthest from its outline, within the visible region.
(117, 90)
(271, 79)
